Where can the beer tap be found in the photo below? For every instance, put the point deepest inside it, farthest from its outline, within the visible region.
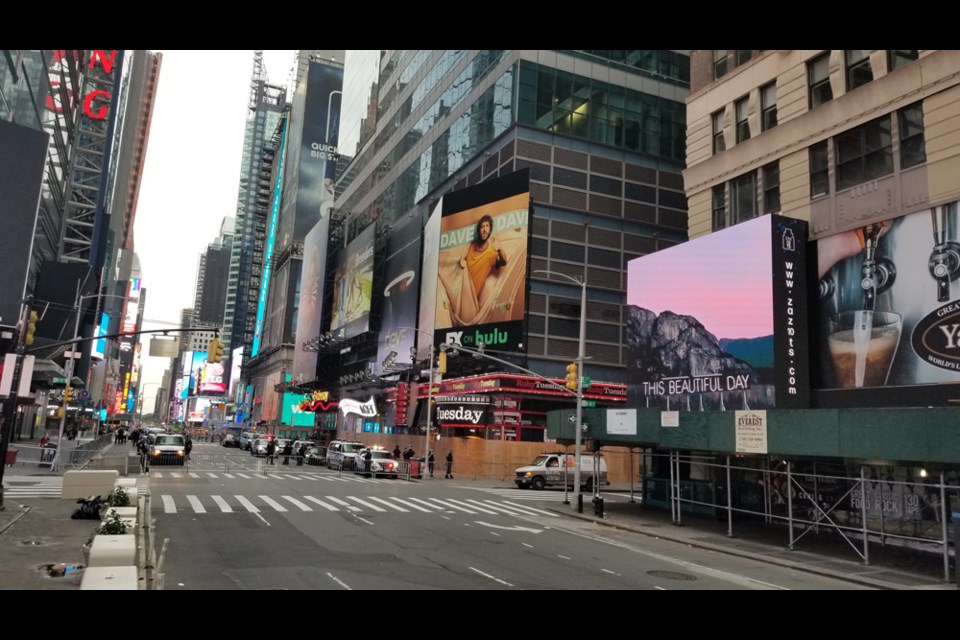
(944, 261)
(876, 274)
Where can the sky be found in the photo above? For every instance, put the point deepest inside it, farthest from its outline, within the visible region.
(723, 280)
(190, 178)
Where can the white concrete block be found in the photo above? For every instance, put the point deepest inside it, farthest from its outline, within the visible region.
(81, 484)
(113, 551)
(109, 578)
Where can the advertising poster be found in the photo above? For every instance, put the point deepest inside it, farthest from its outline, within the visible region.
(399, 309)
(889, 304)
(23, 152)
(213, 378)
(719, 323)
(353, 286)
(292, 414)
(428, 280)
(310, 311)
(482, 273)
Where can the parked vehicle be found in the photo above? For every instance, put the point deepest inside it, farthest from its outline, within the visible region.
(317, 456)
(341, 454)
(547, 470)
(381, 463)
(246, 439)
(259, 447)
(230, 440)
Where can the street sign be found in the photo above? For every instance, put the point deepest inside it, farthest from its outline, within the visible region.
(59, 381)
(590, 404)
(76, 355)
(587, 381)
(571, 418)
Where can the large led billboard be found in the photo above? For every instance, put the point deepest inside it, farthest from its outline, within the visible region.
(482, 272)
(353, 286)
(99, 347)
(271, 241)
(310, 310)
(720, 322)
(398, 304)
(213, 378)
(889, 307)
(292, 414)
(22, 155)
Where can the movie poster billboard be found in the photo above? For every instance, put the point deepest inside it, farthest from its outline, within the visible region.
(428, 280)
(312, 277)
(353, 286)
(23, 152)
(399, 309)
(889, 307)
(482, 272)
(719, 322)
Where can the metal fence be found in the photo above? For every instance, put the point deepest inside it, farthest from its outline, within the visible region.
(76, 454)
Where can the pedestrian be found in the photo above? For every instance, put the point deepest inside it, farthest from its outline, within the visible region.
(367, 461)
(144, 450)
(287, 451)
(396, 452)
(301, 454)
(188, 447)
(44, 440)
(430, 462)
(449, 473)
(271, 449)
(408, 453)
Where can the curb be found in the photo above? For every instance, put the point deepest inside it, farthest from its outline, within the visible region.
(23, 511)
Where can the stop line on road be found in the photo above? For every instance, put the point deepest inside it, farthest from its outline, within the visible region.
(350, 504)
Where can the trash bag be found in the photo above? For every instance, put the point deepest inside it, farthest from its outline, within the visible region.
(89, 508)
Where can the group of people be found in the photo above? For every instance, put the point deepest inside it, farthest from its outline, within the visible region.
(286, 452)
(409, 453)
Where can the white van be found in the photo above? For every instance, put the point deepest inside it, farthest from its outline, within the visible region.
(548, 471)
(342, 454)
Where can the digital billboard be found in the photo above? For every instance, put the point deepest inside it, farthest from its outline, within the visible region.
(889, 306)
(236, 359)
(310, 312)
(99, 347)
(213, 378)
(292, 414)
(428, 280)
(353, 286)
(398, 304)
(482, 272)
(720, 322)
(23, 152)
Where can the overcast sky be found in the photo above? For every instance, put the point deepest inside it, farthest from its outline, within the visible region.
(190, 177)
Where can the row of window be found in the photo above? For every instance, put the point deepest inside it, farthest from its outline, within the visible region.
(749, 195)
(866, 152)
(725, 60)
(857, 71)
(768, 117)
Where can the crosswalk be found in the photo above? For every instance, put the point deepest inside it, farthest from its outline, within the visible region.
(199, 505)
(49, 486)
(248, 475)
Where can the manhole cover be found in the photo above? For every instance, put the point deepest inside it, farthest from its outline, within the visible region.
(60, 569)
(671, 575)
(32, 543)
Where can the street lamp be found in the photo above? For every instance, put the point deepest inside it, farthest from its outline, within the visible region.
(581, 353)
(426, 436)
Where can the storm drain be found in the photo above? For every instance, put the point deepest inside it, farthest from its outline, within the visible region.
(671, 575)
(60, 569)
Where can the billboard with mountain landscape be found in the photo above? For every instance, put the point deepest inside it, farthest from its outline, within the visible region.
(719, 323)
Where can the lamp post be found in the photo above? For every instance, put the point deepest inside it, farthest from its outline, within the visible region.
(581, 353)
(426, 436)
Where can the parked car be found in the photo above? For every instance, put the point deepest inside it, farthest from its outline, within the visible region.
(317, 456)
(168, 448)
(230, 440)
(246, 439)
(381, 463)
(342, 453)
(259, 447)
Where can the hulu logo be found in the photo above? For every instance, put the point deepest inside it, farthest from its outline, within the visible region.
(496, 337)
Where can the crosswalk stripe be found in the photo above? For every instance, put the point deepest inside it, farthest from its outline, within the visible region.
(224, 507)
(193, 475)
(296, 502)
(328, 507)
(168, 504)
(473, 506)
(195, 503)
(243, 475)
(520, 506)
(249, 506)
(499, 509)
(174, 474)
(274, 476)
(212, 475)
(273, 503)
(157, 474)
(518, 510)
(452, 506)
(367, 504)
(341, 502)
(228, 475)
(432, 506)
(292, 477)
(309, 476)
(390, 504)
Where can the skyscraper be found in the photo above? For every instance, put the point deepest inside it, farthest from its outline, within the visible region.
(212, 273)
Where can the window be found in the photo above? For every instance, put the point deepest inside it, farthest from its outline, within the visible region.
(818, 79)
(743, 127)
(743, 55)
(768, 101)
(719, 64)
(718, 143)
(864, 153)
(719, 208)
(859, 71)
(743, 200)
(897, 58)
(819, 170)
(771, 188)
(912, 146)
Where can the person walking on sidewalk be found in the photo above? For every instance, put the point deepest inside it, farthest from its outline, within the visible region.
(188, 447)
(449, 473)
(430, 462)
(271, 449)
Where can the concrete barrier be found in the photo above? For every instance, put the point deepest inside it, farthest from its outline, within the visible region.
(113, 551)
(81, 484)
(124, 512)
(119, 578)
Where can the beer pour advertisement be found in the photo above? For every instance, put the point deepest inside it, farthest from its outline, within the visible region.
(719, 323)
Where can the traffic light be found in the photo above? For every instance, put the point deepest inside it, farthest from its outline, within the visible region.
(68, 394)
(442, 362)
(572, 376)
(214, 351)
(31, 328)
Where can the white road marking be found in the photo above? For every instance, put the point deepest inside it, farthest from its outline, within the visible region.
(480, 509)
(297, 503)
(453, 506)
(249, 506)
(338, 581)
(195, 503)
(410, 502)
(211, 475)
(539, 511)
(243, 475)
(273, 503)
(224, 507)
(342, 503)
(527, 545)
(497, 526)
(168, 504)
(361, 518)
(563, 557)
(367, 504)
(193, 475)
(390, 504)
(328, 507)
(487, 575)
(228, 475)
(264, 519)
